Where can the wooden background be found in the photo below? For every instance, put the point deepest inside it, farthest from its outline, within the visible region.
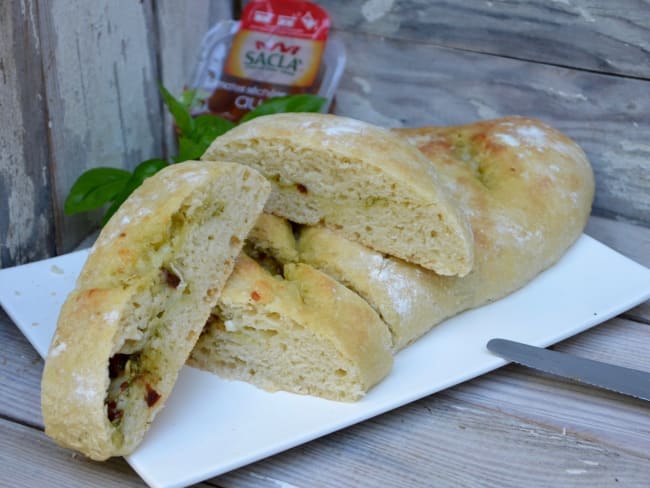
(78, 88)
(582, 66)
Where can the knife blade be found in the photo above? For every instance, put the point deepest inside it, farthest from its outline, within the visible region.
(623, 380)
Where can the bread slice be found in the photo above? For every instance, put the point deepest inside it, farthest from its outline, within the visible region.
(357, 178)
(141, 300)
(526, 190)
(302, 332)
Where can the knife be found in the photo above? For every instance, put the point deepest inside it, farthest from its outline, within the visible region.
(616, 378)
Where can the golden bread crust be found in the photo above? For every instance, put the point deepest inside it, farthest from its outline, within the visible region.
(329, 341)
(75, 380)
(526, 190)
(357, 178)
(141, 299)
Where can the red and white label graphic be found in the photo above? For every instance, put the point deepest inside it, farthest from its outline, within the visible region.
(263, 17)
(286, 20)
(308, 21)
(293, 18)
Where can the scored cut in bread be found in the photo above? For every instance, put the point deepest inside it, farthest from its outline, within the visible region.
(527, 191)
(141, 300)
(362, 180)
(300, 332)
(272, 237)
(410, 299)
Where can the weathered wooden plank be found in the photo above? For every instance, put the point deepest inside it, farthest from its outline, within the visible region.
(620, 341)
(20, 376)
(26, 224)
(100, 75)
(600, 35)
(440, 441)
(608, 116)
(598, 415)
(93, 70)
(29, 458)
(181, 28)
(631, 240)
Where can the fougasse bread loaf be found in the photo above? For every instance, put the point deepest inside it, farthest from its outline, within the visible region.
(526, 190)
(299, 331)
(364, 181)
(141, 300)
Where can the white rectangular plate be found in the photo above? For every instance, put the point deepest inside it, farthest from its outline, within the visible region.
(210, 426)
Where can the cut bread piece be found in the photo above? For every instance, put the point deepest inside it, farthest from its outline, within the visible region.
(304, 333)
(141, 300)
(409, 299)
(357, 178)
(273, 237)
(526, 190)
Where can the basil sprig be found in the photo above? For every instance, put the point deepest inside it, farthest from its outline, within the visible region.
(98, 187)
(94, 188)
(205, 129)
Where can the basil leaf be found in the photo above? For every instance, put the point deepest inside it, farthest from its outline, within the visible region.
(181, 115)
(290, 103)
(188, 149)
(211, 124)
(208, 128)
(187, 98)
(148, 168)
(143, 171)
(95, 188)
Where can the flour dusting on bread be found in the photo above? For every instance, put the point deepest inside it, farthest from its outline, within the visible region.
(141, 300)
(356, 178)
